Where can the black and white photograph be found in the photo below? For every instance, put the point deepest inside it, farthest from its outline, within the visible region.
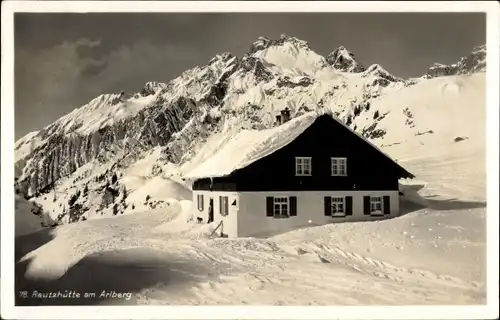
(202, 154)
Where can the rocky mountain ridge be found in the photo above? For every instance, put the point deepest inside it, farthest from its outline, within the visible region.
(472, 63)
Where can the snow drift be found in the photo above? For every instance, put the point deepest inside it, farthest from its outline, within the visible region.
(29, 217)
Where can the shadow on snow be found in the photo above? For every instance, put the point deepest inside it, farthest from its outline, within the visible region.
(126, 271)
(412, 201)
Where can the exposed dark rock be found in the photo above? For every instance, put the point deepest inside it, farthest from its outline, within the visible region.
(256, 65)
(458, 139)
(425, 132)
(472, 63)
(372, 132)
(344, 60)
(287, 82)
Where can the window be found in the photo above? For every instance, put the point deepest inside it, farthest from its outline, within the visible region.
(339, 166)
(281, 207)
(199, 200)
(224, 206)
(376, 205)
(338, 206)
(303, 166)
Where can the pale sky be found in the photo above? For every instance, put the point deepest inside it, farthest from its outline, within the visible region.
(64, 60)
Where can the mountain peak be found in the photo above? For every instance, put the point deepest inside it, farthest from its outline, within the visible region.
(224, 57)
(289, 53)
(286, 38)
(263, 43)
(344, 60)
(384, 78)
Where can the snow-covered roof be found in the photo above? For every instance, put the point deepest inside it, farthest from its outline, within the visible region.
(249, 146)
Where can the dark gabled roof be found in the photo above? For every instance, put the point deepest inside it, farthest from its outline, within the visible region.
(249, 146)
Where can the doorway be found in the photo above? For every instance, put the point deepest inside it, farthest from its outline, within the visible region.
(210, 210)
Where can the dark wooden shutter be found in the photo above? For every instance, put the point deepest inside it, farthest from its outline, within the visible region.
(202, 200)
(328, 206)
(348, 206)
(270, 206)
(220, 204)
(387, 205)
(366, 205)
(293, 206)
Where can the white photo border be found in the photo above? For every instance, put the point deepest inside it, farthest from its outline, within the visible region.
(9, 311)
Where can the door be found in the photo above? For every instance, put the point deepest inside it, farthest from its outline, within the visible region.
(210, 210)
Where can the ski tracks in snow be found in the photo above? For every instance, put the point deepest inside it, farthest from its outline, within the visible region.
(251, 271)
(383, 269)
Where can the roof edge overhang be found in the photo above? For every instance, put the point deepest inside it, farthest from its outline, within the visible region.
(406, 174)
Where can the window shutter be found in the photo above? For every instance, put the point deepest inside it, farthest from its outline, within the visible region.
(220, 204)
(387, 205)
(293, 206)
(366, 205)
(348, 206)
(270, 206)
(328, 206)
(202, 200)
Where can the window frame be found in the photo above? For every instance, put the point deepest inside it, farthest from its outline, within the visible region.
(374, 201)
(303, 162)
(281, 205)
(338, 161)
(334, 202)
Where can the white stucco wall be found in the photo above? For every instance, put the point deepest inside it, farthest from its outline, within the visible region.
(252, 219)
(230, 222)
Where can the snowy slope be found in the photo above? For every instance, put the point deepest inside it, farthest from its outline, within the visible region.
(415, 111)
(104, 190)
